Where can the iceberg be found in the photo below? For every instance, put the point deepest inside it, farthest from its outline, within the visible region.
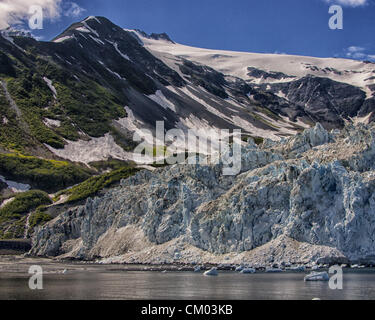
(211, 272)
(197, 269)
(317, 276)
(248, 270)
(273, 270)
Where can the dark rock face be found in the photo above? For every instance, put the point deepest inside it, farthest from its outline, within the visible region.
(368, 107)
(6, 65)
(112, 40)
(155, 36)
(3, 185)
(327, 101)
(15, 245)
(206, 77)
(257, 73)
(161, 36)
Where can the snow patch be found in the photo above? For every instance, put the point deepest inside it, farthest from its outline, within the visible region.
(162, 101)
(119, 52)
(249, 127)
(83, 29)
(111, 71)
(236, 63)
(364, 119)
(115, 74)
(51, 123)
(96, 149)
(90, 29)
(93, 18)
(5, 202)
(98, 41)
(129, 122)
(62, 39)
(10, 39)
(50, 85)
(15, 186)
(205, 104)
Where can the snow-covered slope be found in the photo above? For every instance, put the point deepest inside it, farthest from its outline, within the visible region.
(150, 78)
(353, 72)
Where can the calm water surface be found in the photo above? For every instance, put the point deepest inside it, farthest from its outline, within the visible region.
(183, 285)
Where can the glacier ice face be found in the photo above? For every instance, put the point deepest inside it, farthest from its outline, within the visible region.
(307, 199)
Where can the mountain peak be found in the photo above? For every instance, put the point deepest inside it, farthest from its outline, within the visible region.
(12, 32)
(155, 36)
(161, 36)
(94, 26)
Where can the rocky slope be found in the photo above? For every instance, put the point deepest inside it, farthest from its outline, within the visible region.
(306, 199)
(82, 96)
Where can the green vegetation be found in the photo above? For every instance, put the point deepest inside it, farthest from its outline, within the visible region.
(259, 118)
(80, 105)
(13, 214)
(39, 217)
(32, 96)
(269, 113)
(94, 185)
(125, 143)
(257, 140)
(24, 203)
(111, 164)
(47, 175)
(89, 106)
(12, 137)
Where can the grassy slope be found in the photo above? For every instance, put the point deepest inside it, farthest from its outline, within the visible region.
(94, 185)
(47, 175)
(13, 215)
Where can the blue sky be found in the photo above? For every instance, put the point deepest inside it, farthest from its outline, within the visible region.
(283, 26)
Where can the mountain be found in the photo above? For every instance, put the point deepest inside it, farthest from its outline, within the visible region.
(81, 96)
(308, 199)
(69, 109)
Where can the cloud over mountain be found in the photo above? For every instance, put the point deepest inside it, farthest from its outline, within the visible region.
(15, 11)
(349, 3)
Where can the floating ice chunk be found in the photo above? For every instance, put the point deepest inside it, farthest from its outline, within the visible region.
(297, 268)
(197, 269)
(211, 272)
(248, 270)
(317, 276)
(273, 270)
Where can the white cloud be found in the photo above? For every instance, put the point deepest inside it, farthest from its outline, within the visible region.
(348, 3)
(16, 11)
(358, 53)
(72, 9)
(354, 49)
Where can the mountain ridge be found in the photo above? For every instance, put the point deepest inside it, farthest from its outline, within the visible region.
(76, 102)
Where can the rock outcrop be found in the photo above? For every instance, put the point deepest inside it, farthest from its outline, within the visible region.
(307, 199)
